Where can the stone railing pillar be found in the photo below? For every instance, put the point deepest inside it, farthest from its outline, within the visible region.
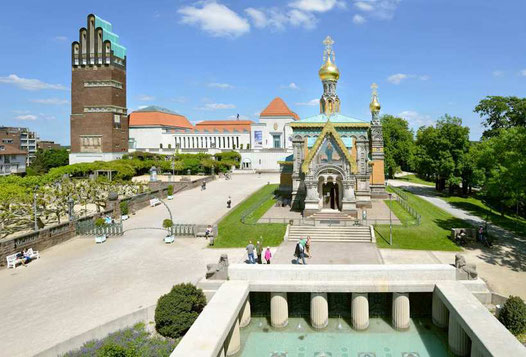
(476, 349)
(319, 310)
(458, 340)
(245, 314)
(360, 311)
(233, 344)
(401, 313)
(279, 309)
(440, 312)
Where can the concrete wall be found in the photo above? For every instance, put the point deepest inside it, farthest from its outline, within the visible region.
(343, 278)
(145, 315)
(264, 159)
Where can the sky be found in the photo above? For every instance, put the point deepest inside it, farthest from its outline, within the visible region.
(212, 60)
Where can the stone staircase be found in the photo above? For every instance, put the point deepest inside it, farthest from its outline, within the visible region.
(339, 234)
(334, 217)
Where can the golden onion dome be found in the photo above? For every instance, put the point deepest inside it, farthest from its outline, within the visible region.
(375, 105)
(329, 71)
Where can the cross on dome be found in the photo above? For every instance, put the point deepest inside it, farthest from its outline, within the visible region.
(328, 42)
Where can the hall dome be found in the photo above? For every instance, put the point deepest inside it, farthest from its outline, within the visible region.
(329, 71)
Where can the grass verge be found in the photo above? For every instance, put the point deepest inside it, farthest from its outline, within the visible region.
(475, 206)
(415, 179)
(400, 213)
(233, 233)
(432, 234)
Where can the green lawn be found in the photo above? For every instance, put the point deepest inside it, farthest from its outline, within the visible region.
(432, 234)
(476, 207)
(401, 213)
(234, 233)
(414, 179)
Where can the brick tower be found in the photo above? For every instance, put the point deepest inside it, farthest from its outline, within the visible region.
(99, 122)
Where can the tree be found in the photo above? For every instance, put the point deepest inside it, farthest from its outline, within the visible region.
(399, 144)
(501, 113)
(440, 152)
(177, 310)
(48, 159)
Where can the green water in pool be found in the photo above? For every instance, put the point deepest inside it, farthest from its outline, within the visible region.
(298, 339)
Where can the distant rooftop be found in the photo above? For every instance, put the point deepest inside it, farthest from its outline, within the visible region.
(335, 118)
(155, 108)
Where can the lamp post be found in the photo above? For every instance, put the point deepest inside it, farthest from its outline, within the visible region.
(390, 220)
(71, 205)
(35, 206)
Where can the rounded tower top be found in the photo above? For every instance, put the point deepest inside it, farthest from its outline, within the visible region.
(329, 71)
(375, 104)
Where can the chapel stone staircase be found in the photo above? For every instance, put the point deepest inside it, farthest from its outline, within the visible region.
(336, 234)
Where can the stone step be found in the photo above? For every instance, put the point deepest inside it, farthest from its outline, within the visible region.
(330, 234)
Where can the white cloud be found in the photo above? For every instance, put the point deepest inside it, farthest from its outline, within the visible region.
(399, 77)
(301, 18)
(316, 5)
(30, 117)
(358, 19)
(217, 106)
(216, 19)
(258, 17)
(146, 98)
(312, 102)
(277, 19)
(60, 38)
(256, 114)
(523, 72)
(220, 85)
(416, 119)
(291, 85)
(180, 100)
(142, 106)
(29, 84)
(498, 73)
(364, 6)
(51, 101)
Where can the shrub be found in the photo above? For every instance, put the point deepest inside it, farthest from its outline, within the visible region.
(124, 208)
(177, 310)
(114, 350)
(513, 315)
(170, 190)
(99, 222)
(167, 223)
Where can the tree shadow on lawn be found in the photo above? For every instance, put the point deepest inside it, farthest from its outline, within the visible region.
(506, 251)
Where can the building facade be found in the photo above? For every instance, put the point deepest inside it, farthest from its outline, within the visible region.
(12, 160)
(337, 161)
(22, 139)
(99, 121)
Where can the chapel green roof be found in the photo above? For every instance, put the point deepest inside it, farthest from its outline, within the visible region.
(335, 118)
(107, 34)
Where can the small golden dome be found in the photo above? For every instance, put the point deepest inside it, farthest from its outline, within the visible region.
(375, 105)
(329, 71)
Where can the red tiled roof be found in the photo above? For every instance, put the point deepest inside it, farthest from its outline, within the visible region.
(11, 150)
(159, 119)
(278, 108)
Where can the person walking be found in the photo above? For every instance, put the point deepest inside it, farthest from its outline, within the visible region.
(307, 247)
(229, 202)
(268, 255)
(259, 251)
(250, 253)
(300, 252)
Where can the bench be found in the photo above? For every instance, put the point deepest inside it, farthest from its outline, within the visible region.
(203, 234)
(154, 202)
(12, 260)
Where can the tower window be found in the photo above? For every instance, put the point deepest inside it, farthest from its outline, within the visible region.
(116, 121)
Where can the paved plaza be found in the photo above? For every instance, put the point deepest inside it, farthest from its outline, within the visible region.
(78, 285)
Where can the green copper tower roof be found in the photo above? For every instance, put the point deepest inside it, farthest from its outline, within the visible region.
(107, 34)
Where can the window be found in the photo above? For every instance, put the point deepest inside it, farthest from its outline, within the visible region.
(7, 159)
(160, 146)
(7, 141)
(116, 121)
(169, 146)
(277, 141)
